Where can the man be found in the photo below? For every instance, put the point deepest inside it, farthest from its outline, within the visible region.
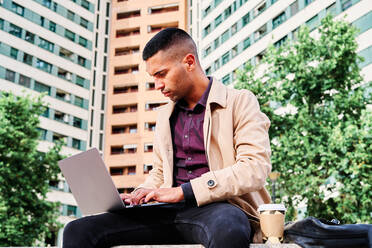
(211, 149)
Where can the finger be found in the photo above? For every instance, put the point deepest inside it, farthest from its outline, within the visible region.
(138, 197)
(125, 196)
(150, 196)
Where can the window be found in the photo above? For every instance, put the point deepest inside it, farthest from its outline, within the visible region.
(131, 170)
(81, 61)
(207, 11)
(55, 6)
(150, 126)
(46, 45)
(218, 20)
(83, 22)
(76, 143)
(41, 64)
(62, 73)
(116, 171)
(117, 150)
(313, 22)
(216, 42)
(307, 2)
(83, 41)
(246, 43)
(1, 24)
(71, 210)
(80, 81)
(62, 95)
(207, 30)
(234, 28)
(79, 101)
(279, 20)
(245, 19)
(15, 30)
(18, 9)
(345, 4)
(47, 3)
(294, 8)
(64, 53)
(105, 45)
(208, 71)
(260, 32)
(70, 15)
(227, 12)
(234, 51)
(27, 58)
(225, 58)
(39, 87)
(226, 79)
(225, 36)
(24, 81)
(107, 9)
(85, 4)
(148, 147)
(52, 26)
(30, 37)
(147, 168)
(260, 9)
(77, 122)
(69, 35)
(42, 21)
(103, 102)
(10, 75)
(280, 42)
(13, 53)
(332, 9)
(131, 88)
(216, 64)
(207, 51)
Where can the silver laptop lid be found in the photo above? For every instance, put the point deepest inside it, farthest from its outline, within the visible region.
(91, 183)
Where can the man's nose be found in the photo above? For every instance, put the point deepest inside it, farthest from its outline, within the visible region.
(159, 85)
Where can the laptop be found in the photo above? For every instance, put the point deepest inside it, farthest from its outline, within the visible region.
(92, 185)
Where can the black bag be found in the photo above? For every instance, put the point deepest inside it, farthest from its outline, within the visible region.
(313, 232)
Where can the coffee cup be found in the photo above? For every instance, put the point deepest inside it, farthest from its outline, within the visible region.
(272, 222)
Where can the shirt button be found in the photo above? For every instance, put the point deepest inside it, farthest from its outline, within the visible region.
(210, 183)
(189, 158)
(186, 136)
(189, 172)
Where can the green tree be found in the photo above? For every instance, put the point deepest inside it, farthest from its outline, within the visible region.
(312, 91)
(25, 215)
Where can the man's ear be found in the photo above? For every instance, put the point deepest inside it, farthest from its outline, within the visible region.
(189, 62)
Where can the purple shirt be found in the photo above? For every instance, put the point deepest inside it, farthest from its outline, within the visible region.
(186, 125)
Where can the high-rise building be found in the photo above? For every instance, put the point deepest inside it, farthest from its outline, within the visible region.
(131, 98)
(58, 47)
(230, 33)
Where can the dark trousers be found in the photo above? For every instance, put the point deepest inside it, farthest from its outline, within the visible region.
(214, 225)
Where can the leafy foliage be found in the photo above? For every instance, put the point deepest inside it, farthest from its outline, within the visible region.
(25, 215)
(312, 91)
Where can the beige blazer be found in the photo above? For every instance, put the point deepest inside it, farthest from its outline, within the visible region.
(237, 148)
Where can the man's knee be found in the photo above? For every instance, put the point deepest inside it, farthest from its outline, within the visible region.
(231, 227)
(75, 233)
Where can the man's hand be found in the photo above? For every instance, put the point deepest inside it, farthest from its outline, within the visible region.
(136, 197)
(171, 195)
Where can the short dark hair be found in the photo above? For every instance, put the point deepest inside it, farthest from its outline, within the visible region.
(165, 39)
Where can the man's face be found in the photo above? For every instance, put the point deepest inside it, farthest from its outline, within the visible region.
(170, 75)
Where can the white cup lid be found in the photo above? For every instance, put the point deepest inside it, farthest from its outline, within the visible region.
(271, 207)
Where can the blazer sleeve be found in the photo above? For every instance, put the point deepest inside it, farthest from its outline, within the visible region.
(252, 159)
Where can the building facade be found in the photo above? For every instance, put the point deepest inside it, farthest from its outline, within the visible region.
(233, 32)
(53, 46)
(131, 98)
